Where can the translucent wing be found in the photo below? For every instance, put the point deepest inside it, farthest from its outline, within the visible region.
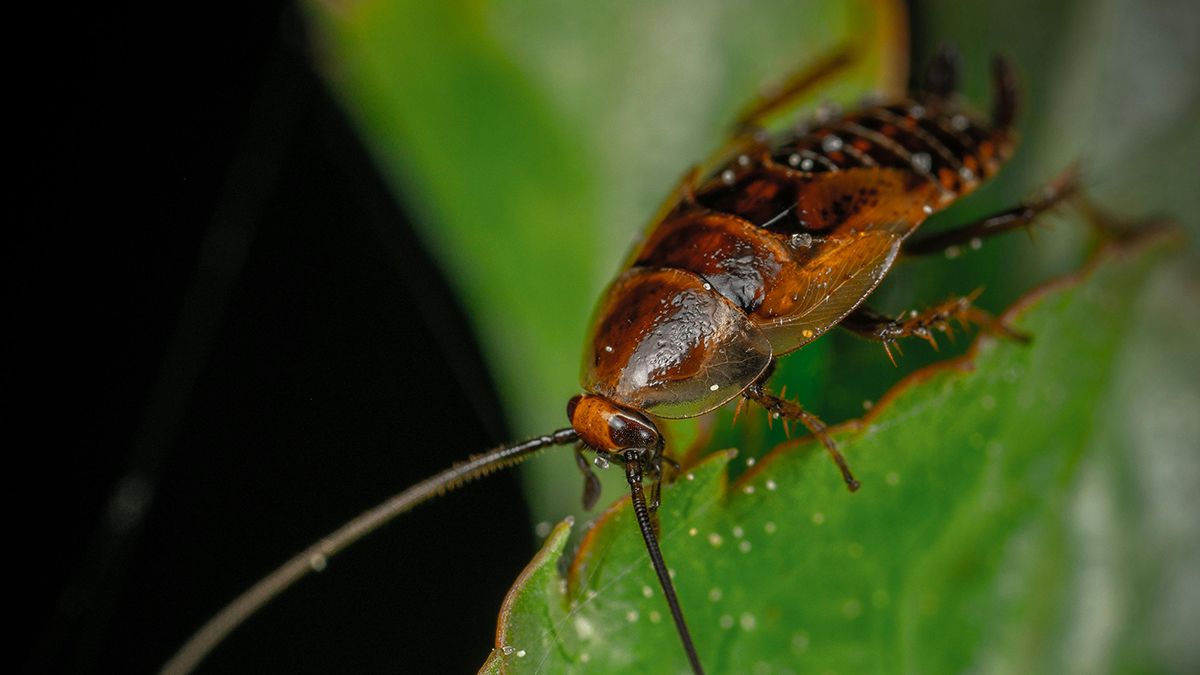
(827, 287)
(858, 219)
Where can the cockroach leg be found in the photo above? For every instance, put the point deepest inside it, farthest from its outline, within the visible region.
(789, 91)
(942, 72)
(1063, 187)
(873, 325)
(1110, 226)
(790, 410)
(591, 484)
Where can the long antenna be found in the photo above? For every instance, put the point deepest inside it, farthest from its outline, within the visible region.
(633, 473)
(315, 557)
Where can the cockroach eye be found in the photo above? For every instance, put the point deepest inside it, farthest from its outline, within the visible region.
(627, 431)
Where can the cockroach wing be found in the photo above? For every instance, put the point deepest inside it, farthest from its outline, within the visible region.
(664, 342)
(858, 219)
(819, 294)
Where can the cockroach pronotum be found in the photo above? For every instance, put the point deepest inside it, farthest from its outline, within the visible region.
(780, 240)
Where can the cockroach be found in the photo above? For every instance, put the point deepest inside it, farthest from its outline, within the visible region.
(782, 238)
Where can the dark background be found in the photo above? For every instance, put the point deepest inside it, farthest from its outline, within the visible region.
(207, 267)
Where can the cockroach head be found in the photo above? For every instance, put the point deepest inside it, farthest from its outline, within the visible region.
(608, 427)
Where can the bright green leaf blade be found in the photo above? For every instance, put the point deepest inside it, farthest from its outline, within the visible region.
(950, 559)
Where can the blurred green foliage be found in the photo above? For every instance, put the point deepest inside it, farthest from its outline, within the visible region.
(534, 139)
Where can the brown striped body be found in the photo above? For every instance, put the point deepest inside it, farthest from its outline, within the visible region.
(777, 246)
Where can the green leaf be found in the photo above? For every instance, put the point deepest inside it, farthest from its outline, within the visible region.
(951, 558)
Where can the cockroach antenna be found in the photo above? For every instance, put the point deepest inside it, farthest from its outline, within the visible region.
(315, 557)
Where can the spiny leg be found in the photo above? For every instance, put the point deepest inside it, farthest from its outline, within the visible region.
(1063, 187)
(656, 473)
(778, 407)
(873, 325)
(634, 470)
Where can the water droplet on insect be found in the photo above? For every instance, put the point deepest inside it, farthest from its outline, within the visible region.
(585, 657)
(806, 333)
(818, 518)
(714, 594)
(726, 621)
(631, 616)
(693, 532)
(655, 617)
(868, 404)
(647, 591)
(600, 462)
(744, 547)
(917, 111)
(608, 348)
(801, 240)
(922, 162)
(318, 562)
(542, 529)
(707, 286)
(715, 539)
(714, 387)
(976, 244)
(521, 653)
(807, 164)
(966, 174)
(743, 160)
(953, 252)
(769, 527)
(728, 176)
(793, 159)
(927, 209)
(738, 532)
(831, 143)
(508, 649)
(691, 476)
(772, 485)
(748, 621)
(749, 489)
(751, 461)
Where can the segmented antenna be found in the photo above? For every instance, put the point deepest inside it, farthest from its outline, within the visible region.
(633, 473)
(314, 558)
